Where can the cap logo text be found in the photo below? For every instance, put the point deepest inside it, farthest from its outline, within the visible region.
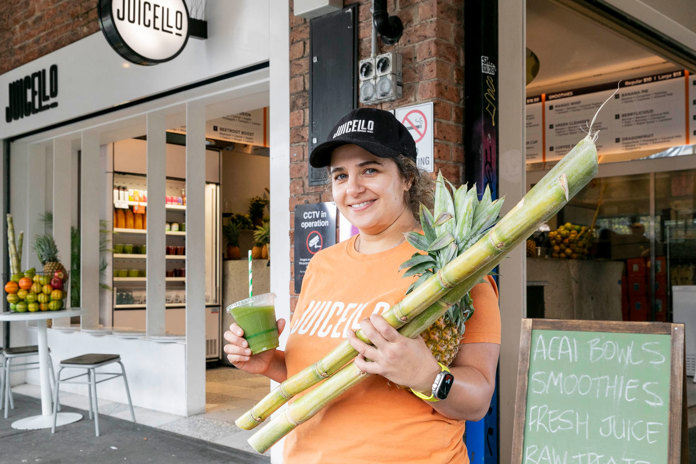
(355, 125)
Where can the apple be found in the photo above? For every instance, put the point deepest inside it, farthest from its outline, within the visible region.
(44, 279)
(57, 283)
(43, 298)
(31, 297)
(36, 278)
(47, 289)
(33, 307)
(57, 295)
(35, 287)
(13, 307)
(12, 298)
(43, 306)
(59, 274)
(21, 307)
(55, 305)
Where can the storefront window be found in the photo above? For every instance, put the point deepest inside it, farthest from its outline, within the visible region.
(617, 250)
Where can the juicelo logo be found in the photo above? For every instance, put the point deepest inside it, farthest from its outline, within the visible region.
(145, 32)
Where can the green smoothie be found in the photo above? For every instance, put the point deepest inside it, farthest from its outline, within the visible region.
(259, 325)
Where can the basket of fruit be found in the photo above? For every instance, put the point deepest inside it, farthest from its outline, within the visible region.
(571, 241)
(37, 291)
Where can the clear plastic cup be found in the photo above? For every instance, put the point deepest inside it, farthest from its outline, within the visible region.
(256, 316)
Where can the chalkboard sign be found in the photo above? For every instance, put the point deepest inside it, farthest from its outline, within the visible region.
(599, 392)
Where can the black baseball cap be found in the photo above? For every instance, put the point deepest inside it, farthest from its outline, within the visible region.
(377, 131)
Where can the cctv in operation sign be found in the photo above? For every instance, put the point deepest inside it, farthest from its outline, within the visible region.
(315, 229)
(145, 32)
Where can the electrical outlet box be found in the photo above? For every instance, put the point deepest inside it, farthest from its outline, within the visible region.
(309, 9)
(381, 78)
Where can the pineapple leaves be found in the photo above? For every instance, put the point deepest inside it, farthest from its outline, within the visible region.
(441, 242)
(442, 218)
(417, 240)
(465, 203)
(443, 204)
(417, 259)
(426, 220)
(418, 269)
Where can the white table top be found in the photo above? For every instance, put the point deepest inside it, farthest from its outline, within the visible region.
(40, 315)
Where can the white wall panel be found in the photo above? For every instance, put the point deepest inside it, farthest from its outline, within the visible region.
(195, 258)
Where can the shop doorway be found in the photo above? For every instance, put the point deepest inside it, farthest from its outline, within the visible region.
(618, 250)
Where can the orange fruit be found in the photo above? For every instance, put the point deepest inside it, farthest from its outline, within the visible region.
(11, 287)
(25, 283)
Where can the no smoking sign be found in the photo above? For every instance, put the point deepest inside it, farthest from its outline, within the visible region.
(418, 119)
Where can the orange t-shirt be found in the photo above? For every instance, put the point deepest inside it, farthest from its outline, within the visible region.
(375, 421)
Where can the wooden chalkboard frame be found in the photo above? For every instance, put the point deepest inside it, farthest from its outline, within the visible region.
(677, 448)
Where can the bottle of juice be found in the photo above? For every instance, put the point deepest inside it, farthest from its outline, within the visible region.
(120, 219)
(145, 219)
(138, 222)
(130, 220)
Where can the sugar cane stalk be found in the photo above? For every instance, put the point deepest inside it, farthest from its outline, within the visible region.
(15, 263)
(305, 407)
(543, 201)
(20, 244)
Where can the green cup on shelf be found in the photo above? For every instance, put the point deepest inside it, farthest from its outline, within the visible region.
(128, 248)
(118, 248)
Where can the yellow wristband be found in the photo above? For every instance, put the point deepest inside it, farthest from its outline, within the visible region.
(432, 398)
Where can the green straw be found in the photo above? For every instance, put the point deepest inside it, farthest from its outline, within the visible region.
(250, 279)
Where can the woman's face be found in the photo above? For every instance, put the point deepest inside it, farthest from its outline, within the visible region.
(367, 189)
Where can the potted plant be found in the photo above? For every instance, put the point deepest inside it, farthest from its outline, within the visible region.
(262, 237)
(257, 205)
(231, 232)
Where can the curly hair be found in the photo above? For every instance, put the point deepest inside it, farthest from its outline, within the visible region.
(422, 185)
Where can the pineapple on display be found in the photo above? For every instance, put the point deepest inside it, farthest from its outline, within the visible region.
(457, 222)
(47, 252)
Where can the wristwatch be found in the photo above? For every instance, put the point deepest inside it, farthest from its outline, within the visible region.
(441, 386)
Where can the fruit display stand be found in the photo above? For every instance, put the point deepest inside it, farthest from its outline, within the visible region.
(45, 420)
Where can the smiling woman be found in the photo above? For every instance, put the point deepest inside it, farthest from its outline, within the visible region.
(376, 185)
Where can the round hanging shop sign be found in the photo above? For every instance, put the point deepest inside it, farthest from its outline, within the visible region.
(145, 32)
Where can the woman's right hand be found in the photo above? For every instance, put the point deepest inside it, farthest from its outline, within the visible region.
(239, 354)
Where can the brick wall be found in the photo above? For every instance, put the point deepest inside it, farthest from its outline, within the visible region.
(30, 29)
(432, 48)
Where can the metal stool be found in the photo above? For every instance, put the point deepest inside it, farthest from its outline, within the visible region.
(6, 356)
(90, 362)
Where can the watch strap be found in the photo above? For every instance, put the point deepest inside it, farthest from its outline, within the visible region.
(432, 398)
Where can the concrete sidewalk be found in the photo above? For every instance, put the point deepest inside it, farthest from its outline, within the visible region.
(120, 441)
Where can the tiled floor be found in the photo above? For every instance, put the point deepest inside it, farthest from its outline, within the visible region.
(229, 393)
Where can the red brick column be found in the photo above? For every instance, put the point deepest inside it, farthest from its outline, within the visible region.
(432, 48)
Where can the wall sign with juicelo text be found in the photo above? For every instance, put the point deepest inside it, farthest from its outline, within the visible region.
(599, 392)
(145, 32)
(32, 94)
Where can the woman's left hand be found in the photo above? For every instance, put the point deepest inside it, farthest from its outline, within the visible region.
(404, 361)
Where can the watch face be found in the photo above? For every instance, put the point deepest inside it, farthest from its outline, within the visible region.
(443, 388)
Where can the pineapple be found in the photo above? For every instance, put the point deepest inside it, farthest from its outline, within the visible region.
(47, 252)
(262, 237)
(454, 225)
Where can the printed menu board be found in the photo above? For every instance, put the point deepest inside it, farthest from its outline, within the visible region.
(599, 392)
(534, 148)
(692, 108)
(647, 113)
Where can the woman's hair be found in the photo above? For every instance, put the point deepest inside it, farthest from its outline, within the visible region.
(422, 185)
